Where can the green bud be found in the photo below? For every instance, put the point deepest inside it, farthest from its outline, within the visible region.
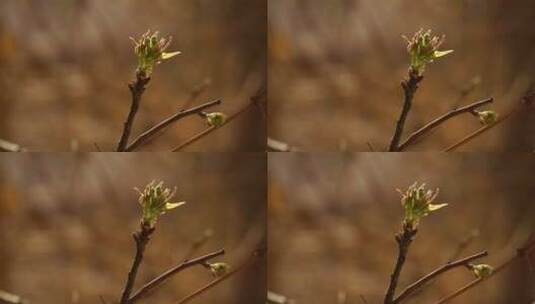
(150, 51)
(216, 119)
(417, 203)
(219, 269)
(482, 271)
(487, 117)
(423, 49)
(155, 200)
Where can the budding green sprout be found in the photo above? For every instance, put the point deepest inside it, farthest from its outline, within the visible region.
(481, 271)
(218, 269)
(216, 119)
(487, 117)
(423, 49)
(417, 203)
(155, 200)
(150, 51)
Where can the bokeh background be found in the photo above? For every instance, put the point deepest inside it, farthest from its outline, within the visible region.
(65, 65)
(66, 224)
(333, 217)
(335, 69)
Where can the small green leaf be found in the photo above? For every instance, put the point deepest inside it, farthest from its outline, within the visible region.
(169, 206)
(170, 55)
(439, 54)
(433, 207)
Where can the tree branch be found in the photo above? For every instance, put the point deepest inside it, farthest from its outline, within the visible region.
(141, 238)
(254, 101)
(410, 86)
(435, 273)
(404, 240)
(149, 134)
(438, 121)
(527, 101)
(143, 291)
(520, 253)
(137, 88)
(256, 255)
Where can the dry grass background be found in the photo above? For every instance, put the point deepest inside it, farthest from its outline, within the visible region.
(66, 224)
(335, 69)
(65, 65)
(332, 220)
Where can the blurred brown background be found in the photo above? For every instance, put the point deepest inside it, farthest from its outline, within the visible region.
(65, 65)
(332, 220)
(335, 69)
(66, 223)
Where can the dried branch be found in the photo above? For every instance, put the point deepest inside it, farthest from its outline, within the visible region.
(137, 88)
(150, 286)
(255, 100)
(250, 261)
(438, 121)
(405, 294)
(404, 239)
(142, 237)
(521, 253)
(146, 136)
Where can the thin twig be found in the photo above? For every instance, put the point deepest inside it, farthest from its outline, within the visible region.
(435, 273)
(527, 101)
(142, 237)
(255, 256)
(137, 88)
(9, 298)
(149, 134)
(404, 239)
(274, 145)
(520, 254)
(438, 121)
(254, 101)
(143, 291)
(6, 146)
(410, 86)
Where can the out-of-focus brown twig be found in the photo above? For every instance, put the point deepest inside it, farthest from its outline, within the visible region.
(521, 253)
(9, 298)
(256, 255)
(146, 136)
(6, 146)
(254, 101)
(137, 88)
(440, 120)
(150, 286)
(526, 102)
(405, 294)
(274, 145)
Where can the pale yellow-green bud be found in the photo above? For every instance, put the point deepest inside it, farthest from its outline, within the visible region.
(155, 200)
(417, 203)
(216, 119)
(150, 51)
(482, 271)
(487, 117)
(219, 269)
(423, 49)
